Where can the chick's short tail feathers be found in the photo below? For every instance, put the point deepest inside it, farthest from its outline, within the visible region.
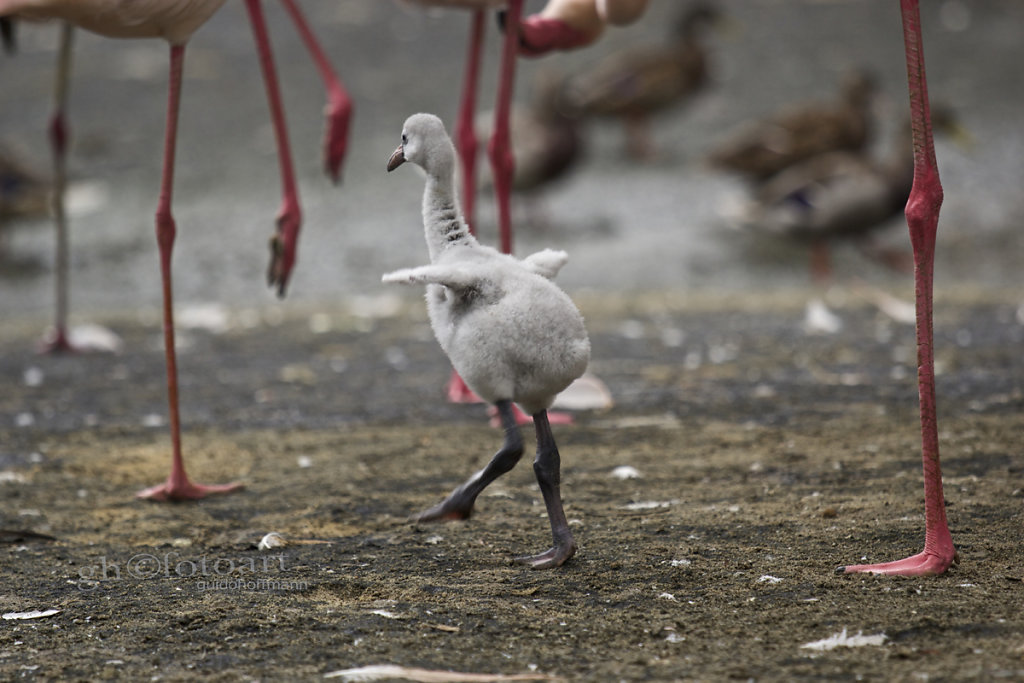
(546, 263)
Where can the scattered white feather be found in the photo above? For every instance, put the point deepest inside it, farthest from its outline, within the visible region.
(386, 614)
(768, 578)
(666, 421)
(900, 310)
(12, 477)
(210, 317)
(86, 197)
(649, 505)
(843, 640)
(586, 393)
(626, 472)
(96, 338)
(382, 672)
(34, 614)
(818, 319)
(272, 540)
(667, 596)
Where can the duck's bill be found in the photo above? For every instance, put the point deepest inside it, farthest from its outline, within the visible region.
(397, 159)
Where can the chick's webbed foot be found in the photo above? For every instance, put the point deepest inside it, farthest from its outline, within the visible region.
(458, 506)
(556, 556)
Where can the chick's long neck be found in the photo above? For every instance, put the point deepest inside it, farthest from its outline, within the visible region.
(443, 224)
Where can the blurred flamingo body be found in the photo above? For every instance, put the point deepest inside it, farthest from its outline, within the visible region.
(175, 21)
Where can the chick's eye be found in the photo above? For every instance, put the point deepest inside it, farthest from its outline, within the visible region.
(405, 138)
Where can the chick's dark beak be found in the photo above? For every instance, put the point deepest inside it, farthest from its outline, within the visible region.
(397, 159)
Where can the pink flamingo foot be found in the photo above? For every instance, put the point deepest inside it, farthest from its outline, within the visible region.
(540, 35)
(925, 563)
(524, 419)
(339, 104)
(339, 114)
(283, 246)
(182, 489)
(458, 392)
(56, 341)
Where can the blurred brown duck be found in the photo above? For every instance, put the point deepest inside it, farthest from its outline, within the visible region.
(546, 140)
(634, 83)
(842, 194)
(765, 148)
(23, 192)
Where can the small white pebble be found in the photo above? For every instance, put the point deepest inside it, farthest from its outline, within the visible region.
(396, 358)
(673, 337)
(33, 376)
(304, 461)
(632, 329)
(24, 419)
(153, 420)
(320, 323)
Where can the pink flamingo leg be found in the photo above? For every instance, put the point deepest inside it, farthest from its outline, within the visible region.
(177, 486)
(922, 219)
(500, 152)
(57, 340)
(465, 128)
(339, 104)
(289, 218)
(499, 149)
(465, 135)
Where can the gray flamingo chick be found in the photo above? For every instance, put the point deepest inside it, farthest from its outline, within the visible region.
(509, 331)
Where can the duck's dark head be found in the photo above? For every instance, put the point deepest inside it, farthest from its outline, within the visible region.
(695, 19)
(859, 88)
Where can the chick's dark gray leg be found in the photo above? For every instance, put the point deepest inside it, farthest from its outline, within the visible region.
(459, 505)
(547, 468)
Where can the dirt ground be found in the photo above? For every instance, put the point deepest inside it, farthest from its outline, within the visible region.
(766, 457)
